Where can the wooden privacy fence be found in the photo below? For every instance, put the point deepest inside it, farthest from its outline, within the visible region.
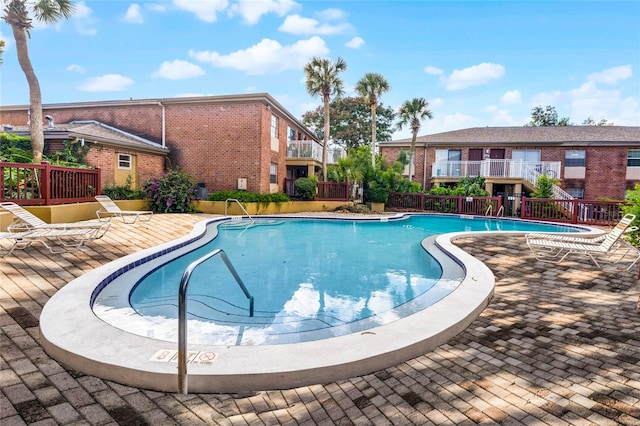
(604, 213)
(588, 212)
(44, 184)
(325, 191)
(488, 206)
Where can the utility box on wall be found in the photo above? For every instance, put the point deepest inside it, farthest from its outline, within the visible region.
(242, 184)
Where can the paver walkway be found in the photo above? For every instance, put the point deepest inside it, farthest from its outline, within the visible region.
(557, 345)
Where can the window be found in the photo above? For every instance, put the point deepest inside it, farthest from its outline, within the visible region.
(124, 161)
(274, 126)
(448, 155)
(576, 192)
(291, 134)
(574, 158)
(526, 155)
(273, 173)
(634, 158)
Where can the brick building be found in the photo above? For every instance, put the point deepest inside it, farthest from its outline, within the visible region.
(225, 142)
(122, 158)
(590, 162)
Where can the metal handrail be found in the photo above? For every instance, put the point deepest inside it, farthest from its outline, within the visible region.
(182, 311)
(489, 210)
(500, 212)
(241, 206)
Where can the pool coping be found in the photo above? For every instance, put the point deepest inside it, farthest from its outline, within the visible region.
(72, 334)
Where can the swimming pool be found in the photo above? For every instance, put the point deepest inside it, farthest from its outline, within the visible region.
(72, 332)
(310, 279)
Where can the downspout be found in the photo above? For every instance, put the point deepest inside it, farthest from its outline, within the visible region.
(424, 168)
(163, 124)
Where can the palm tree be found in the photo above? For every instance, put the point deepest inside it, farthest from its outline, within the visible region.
(17, 15)
(323, 79)
(412, 113)
(371, 87)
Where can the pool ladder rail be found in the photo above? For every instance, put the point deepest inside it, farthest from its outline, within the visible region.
(226, 203)
(182, 310)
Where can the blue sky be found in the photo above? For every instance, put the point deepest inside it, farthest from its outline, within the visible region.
(478, 63)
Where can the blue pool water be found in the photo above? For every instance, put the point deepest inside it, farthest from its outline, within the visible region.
(310, 278)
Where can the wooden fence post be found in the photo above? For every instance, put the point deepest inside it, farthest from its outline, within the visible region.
(45, 183)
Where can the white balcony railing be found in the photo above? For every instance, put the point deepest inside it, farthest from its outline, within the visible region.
(496, 168)
(313, 151)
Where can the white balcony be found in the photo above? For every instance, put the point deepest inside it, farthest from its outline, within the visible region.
(496, 168)
(313, 151)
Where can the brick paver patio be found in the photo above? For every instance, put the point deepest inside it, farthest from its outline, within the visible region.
(557, 345)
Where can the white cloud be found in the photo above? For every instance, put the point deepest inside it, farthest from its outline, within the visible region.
(512, 97)
(76, 68)
(433, 70)
(134, 15)
(502, 117)
(268, 56)
(106, 83)
(436, 102)
(589, 100)
(252, 10)
(475, 75)
(156, 7)
(296, 24)
(206, 11)
(354, 43)
(611, 75)
(546, 98)
(332, 14)
(178, 70)
(83, 19)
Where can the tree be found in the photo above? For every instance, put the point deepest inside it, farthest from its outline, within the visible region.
(371, 87)
(1, 50)
(350, 125)
(17, 14)
(412, 113)
(323, 79)
(546, 117)
(591, 122)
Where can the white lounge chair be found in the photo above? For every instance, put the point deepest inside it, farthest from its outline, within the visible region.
(110, 209)
(556, 248)
(56, 240)
(24, 220)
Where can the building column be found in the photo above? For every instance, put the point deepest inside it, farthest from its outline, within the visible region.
(517, 189)
(488, 186)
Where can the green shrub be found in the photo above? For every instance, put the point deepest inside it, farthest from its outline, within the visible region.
(123, 192)
(173, 192)
(633, 207)
(376, 194)
(305, 188)
(249, 197)
(544, 187)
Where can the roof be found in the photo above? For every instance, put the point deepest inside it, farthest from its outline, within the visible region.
(551, 135)
(94, 131)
